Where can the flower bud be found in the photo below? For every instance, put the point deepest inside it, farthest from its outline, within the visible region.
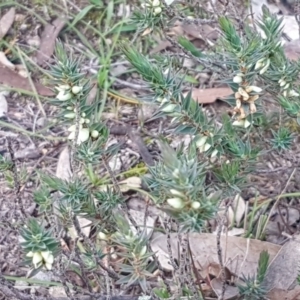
(252, 88)
(157, 10)
(286, 86)
(95, 134)
(237, 79)
(155, 2)
(204, 148)
(169, 108)
(76, 89)
(81, 121)
(175, 203)
(259, 63)
(48, 266)
(195, 205)
(87, 121)
(36, 259)
(176, 193)
(102, 236)
(265, 68)
(143, 251)
(70, 115)
(64, 96)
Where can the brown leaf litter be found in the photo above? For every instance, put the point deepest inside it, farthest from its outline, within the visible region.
(6, 22)
(48, 40)
(12, 79)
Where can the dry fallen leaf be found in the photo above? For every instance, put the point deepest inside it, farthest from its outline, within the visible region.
(205, 96)
(237, 210)
(63, 169)
(6, 21)
(292, 50)
(283, 269)
(48, 40)
(278, 294)
(230, 293)
(12, 79)
(242, 254)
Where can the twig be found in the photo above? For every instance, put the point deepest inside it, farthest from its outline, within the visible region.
(278, 198)
(17, 186)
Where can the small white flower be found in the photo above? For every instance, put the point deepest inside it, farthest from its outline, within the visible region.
(169, 108)
(73, 127)
(157, 10)
(293, 93)
(76, 89)
(286, 86)
(37, 259)
(237, 79)
(282, 82)
(241, 123)
(83, 135)
(64, 96)
(95, 133)
(48, 266)
(30, 254)
(195, 205)
(155, 2)
(48, 257)
(214, 153)
(201, 141)
(87, 121)
(81, 121)
(205, 147)
(175, 203)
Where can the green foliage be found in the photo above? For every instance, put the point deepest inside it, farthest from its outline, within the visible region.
(282, 139)
(253, 288)
(36, 238)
